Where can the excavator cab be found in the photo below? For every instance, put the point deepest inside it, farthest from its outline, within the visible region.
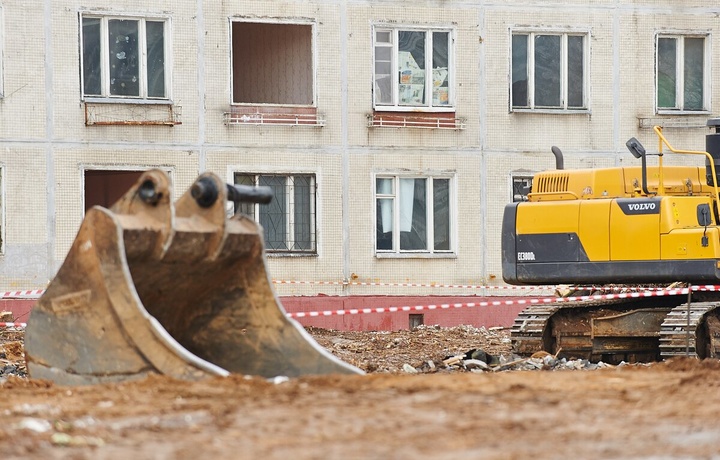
(179, 289)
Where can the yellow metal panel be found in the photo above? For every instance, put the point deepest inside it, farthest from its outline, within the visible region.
(687, 244)
(594, 229)
(680, 212)
(634, 237)
(550, 217)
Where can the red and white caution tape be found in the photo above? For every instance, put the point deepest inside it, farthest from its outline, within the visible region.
(15, 325)
(31, 294)
(492, 303)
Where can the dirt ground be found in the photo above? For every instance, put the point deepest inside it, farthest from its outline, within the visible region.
(660, 411)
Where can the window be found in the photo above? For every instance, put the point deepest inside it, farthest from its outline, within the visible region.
(682, 73)
(413, 69)
(521, 187)
(289, 220)
(413, 214)
(272, 63)
(549, 71)
(124, 58)
(103, 187)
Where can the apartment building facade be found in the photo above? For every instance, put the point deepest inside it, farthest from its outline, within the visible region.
(392, 132)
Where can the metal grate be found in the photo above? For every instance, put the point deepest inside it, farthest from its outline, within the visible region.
(412, 121)
(276, 119)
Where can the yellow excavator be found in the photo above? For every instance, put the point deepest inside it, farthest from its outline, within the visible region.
(622, 226)
(155, 287)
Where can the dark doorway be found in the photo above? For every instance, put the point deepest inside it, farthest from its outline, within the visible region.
(104, 187)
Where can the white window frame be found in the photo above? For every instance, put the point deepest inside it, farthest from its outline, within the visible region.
(142, 45)
(290, 230)
(680, 37)
(429, 251)
(563, 108)
(313, 50)
(395, 105)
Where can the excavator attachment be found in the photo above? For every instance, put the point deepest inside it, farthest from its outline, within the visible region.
(152, 287)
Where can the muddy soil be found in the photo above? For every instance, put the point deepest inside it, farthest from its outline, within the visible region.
(664, 410)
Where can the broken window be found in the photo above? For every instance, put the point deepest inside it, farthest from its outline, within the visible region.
(681, 68)
(272, 63)
(521, 187)
(104, 187)
(413, 68)
(549, 71)
(124, 57)
(289, 220)
(413, 214)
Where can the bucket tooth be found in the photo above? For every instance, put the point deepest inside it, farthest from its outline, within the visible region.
(149, 287)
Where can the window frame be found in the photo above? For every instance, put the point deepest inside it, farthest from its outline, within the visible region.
(142, 98)
(394, 29)
(278, 21)
(563, 108)
(289, 231)
(680, 37)
(429, 251)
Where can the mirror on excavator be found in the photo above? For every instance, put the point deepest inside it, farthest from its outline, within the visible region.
(155, 287)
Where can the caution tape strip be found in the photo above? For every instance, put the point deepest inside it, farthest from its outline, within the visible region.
(492, 303)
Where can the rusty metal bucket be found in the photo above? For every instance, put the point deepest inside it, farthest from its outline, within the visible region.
(149, 287)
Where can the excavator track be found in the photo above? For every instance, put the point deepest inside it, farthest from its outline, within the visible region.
(528, 330)
(686, 326)
(621, 330)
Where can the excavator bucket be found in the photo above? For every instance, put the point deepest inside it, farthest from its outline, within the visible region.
(149, 287)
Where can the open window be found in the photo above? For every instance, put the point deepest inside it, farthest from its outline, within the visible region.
(521, 186)
(104, 187)
(273, 74)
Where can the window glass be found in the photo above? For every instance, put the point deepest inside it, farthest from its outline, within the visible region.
(413, 68)
(273, 217)
(288, 221)
(124, 58)
(413, 214)
(441, 68)
(91, 57)
(519, 71)
(411, 58)
(694, 63)
(302, 212)
(681, 68)
(413, 220)
(667, 65)
(575, 71)
(547, 70)
(441, 214)
(114, 65)
(555, 63)
(156, 58)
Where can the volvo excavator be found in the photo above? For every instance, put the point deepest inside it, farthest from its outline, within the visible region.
(651, 226)
(179, 289)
